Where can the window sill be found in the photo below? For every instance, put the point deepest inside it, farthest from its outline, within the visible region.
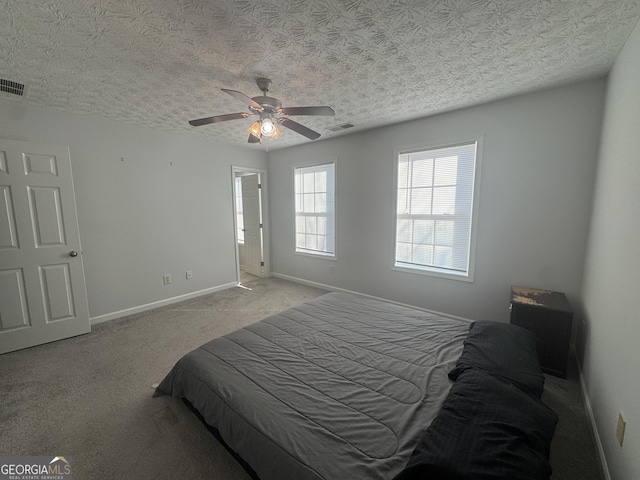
(434, 272)
(309, 253)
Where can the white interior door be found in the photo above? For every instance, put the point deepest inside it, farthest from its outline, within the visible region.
(252, 224)
(42, 288)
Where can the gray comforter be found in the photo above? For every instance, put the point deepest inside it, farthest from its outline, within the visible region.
(340, 387)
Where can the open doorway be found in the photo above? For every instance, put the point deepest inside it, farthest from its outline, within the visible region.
(249, 192)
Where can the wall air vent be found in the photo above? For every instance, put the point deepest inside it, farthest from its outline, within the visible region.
(11, 87)
(344, 126)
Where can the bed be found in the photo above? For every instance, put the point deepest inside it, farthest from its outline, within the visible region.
(349, 387)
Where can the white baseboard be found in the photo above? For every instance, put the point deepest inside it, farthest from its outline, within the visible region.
(594, 426)
(161, 303)
(331, 288)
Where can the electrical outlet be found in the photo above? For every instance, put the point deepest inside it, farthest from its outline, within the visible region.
(166, 279)
(620, 429)
(189, 275)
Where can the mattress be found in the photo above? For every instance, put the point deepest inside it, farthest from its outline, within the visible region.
(342, 386)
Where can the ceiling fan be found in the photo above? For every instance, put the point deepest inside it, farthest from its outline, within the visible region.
(269, 111)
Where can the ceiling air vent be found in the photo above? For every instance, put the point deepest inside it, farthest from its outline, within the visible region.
(344, 126)
(11, 87)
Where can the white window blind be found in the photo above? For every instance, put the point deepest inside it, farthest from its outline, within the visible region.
(434, 209)
(315, 200)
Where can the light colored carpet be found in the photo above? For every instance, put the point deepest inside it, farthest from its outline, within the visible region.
(90, 397)
(573, 450)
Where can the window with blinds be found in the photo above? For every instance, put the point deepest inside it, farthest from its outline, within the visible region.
(315, 215)
(434, 209)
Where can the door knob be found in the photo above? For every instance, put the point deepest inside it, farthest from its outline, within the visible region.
(73, 253)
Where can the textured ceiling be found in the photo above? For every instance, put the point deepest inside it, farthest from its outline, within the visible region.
(159, 63)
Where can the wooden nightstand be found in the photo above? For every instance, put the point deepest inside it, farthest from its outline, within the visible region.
(549, 316)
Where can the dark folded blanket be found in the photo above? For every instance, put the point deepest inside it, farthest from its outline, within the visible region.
(493, 424)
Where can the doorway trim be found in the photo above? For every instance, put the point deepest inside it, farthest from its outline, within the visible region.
(264, 212)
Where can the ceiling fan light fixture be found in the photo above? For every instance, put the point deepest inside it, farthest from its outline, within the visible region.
(254, 129)
(267, 128)
(268, 109)
(277, 133)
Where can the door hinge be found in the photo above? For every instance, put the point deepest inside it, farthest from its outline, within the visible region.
(259, 185)
(261, 226)
(262, 264)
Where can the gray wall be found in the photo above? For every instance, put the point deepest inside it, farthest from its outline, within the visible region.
(538, 168)
(611, 293)
(166, 208)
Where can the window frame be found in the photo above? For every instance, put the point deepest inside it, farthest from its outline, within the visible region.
(438, 272)
(314, 253)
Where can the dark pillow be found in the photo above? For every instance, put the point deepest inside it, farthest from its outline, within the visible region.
(505, 350)
(487, 429)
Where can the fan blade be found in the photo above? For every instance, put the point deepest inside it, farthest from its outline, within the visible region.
(308, 111)
(253, 139)
(218, 118)
(243, 98)
(298, 128)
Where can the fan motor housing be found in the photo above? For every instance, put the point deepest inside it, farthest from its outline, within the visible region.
(268, 103)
